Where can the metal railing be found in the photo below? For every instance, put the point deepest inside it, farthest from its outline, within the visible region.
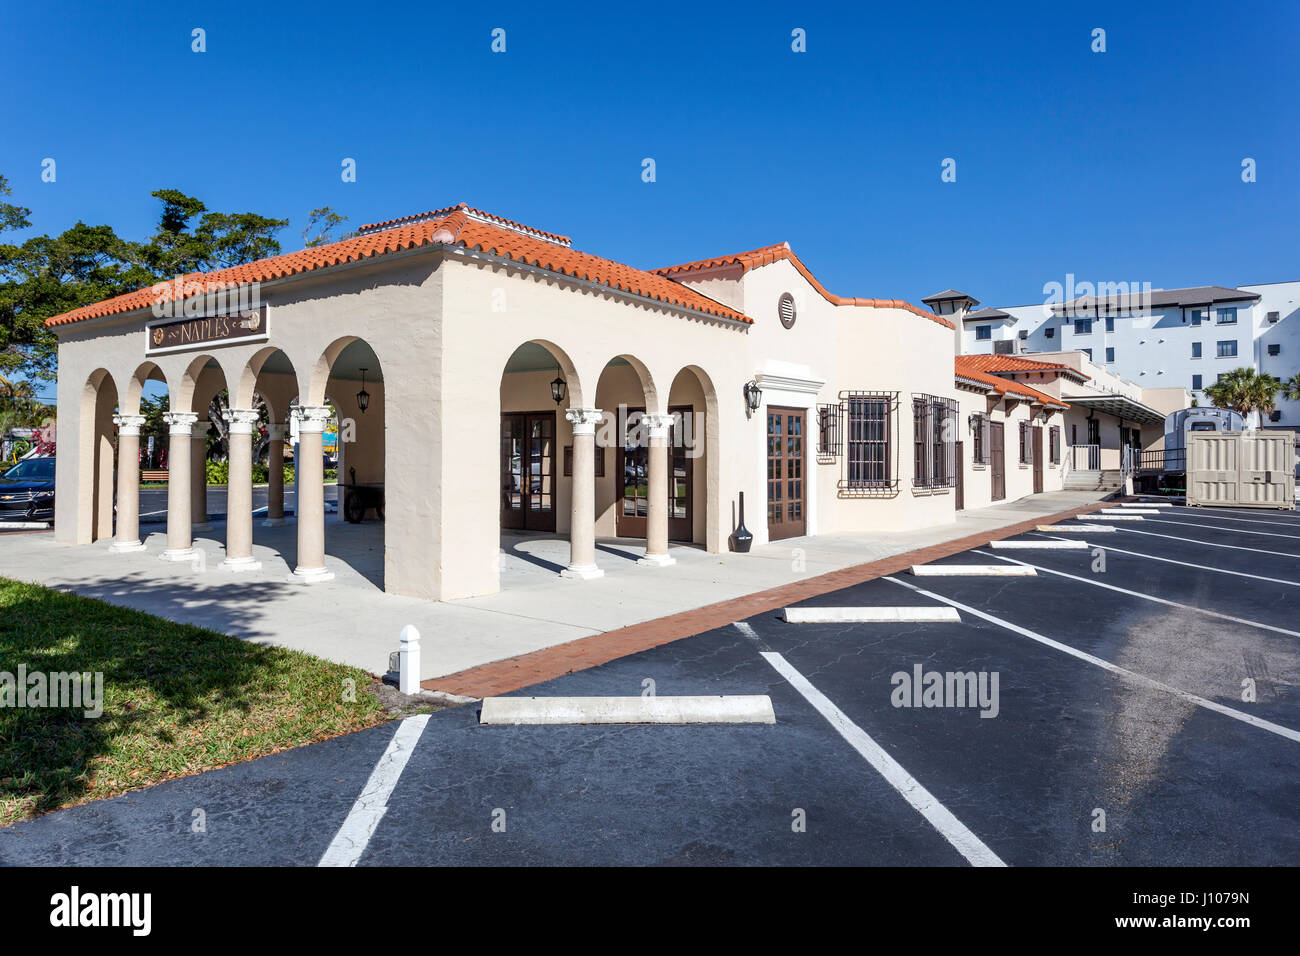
(1084, 457)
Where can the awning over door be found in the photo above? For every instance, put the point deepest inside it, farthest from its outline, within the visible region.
(1121, 406)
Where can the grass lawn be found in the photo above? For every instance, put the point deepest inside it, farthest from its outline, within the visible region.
(177, 699)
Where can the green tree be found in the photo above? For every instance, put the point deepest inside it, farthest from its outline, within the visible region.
(218, 241)
(1245, 391)
(1291, 388)
(320, 227)
(46, 276)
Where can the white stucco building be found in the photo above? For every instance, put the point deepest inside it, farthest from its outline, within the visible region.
(1176, 338)
(488, 379)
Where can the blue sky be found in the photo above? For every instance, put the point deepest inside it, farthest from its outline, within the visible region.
(1123, 165)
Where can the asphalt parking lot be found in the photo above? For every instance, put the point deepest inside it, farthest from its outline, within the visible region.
(1118, 735)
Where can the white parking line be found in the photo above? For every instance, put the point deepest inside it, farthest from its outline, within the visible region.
(1209, 544)
(1202, 567)
(1254, 721)
(350, 842)
(1211, 527)
(909, 788)
(1153, 598)
(1283, 517)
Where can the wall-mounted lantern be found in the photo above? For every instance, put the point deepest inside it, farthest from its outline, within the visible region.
(557, 390)
(753, 396)
(363, 397)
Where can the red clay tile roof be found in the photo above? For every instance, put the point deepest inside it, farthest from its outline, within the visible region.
(770, 254)
(458, 229)
(1013, 363)
(970, 370)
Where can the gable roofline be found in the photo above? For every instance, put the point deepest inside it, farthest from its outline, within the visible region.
(964, 373)
(1013, 364)
(458, 229)
(756, 258)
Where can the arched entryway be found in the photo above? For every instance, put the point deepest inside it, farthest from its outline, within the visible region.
(95, 453)
(346, 396)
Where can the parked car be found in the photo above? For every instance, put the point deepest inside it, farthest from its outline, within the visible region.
(27, 491)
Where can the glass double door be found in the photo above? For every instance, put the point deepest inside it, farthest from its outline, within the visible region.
(528, 471)
(633, 502)
(786, 511)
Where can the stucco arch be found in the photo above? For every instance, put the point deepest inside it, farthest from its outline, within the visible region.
(710, 492)
(655, 403)
(94, 457)
(321, 371)
(145, 372)
(277, 395)
(197, 385)
(575, 395)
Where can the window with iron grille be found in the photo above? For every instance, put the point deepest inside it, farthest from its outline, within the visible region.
(979, 429)
(869, 419)
(934, 441)
(830, 435)
(1054, 444)
(1026, 447)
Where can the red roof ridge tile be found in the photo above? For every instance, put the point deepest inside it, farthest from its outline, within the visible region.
(471, 211)
(781, 250)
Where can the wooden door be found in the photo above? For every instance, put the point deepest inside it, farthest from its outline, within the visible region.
(528, 471)
(1037, 446)
(997, 460)
(633, 464)
(786, 508)
(961, 477)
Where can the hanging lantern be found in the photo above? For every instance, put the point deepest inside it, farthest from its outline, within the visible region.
(557, 390)
(363, 397)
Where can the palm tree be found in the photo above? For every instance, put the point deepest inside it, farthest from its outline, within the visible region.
(1245, 391)
(1291, 388)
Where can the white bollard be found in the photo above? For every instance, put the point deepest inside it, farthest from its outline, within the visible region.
(408, 661)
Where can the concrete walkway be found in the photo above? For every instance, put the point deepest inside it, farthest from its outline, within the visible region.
(351, 620)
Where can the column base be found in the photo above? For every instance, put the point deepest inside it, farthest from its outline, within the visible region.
(179, 554)
(582, 572)
(240, 564)
(125, 547)
(274, 523)
(657, 560)
(310, 576)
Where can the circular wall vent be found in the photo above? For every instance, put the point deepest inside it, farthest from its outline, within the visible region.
(785, 308)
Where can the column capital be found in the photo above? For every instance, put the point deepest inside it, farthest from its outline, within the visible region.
(310, 418)
(128, 424)
(180, 422)
(584, 420)
(657, 426)
(240, 420)
(277, 431)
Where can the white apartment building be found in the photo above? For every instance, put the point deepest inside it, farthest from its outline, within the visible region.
(1171, 338)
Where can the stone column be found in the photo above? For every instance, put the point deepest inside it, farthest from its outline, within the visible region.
(310, 509)
(582, 528)
(276, 434)
(128, 484)
(180, 541)
(656, 536)
(199, 478)
(239, 492)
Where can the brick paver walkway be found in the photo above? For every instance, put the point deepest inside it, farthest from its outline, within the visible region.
(504, 676)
